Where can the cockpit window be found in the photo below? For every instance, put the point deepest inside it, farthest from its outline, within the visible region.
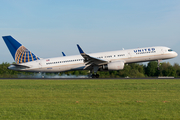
(170, 50)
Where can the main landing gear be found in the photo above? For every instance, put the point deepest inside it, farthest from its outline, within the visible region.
(42, 75)
(159, 64)
(94, 75)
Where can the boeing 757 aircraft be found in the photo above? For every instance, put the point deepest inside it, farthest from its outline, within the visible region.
(112, 60)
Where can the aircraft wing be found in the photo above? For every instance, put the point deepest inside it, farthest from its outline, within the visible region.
(89, 60)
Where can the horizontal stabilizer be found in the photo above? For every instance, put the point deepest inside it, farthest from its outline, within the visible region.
(17, 66)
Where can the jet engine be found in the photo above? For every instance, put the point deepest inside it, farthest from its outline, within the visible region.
(116, 65)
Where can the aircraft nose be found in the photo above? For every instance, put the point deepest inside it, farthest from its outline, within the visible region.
(176, 54)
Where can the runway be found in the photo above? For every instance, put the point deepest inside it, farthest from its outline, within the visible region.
(86, 78)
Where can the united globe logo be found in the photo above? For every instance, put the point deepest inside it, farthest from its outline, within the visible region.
(24, 55)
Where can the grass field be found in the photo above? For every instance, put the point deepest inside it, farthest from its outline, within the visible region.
(89, 99)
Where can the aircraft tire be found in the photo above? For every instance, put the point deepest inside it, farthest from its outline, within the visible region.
(97, 75)
(93, 76)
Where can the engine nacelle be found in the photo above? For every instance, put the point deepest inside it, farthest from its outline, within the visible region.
(116, 65)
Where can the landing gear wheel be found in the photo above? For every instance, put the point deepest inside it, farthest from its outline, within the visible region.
(95, 75)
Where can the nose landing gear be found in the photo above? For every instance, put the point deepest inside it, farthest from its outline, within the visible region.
(159, 64)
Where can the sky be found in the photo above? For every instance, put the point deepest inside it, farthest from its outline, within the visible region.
(48, 27)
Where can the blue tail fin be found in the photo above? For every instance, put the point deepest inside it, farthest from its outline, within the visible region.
(18, 51)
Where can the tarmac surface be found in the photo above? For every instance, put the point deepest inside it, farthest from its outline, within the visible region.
(82, 78)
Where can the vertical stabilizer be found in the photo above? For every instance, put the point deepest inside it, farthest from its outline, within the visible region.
(18, 51)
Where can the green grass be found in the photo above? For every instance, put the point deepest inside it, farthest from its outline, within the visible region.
(89, 99)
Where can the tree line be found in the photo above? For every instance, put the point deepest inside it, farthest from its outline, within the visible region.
(133, 70)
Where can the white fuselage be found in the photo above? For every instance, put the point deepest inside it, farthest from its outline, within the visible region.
(76, 62)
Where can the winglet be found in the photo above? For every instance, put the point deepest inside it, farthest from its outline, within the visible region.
(63, 54)
(80, 50)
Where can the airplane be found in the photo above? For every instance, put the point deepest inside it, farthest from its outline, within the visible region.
(112, 60)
